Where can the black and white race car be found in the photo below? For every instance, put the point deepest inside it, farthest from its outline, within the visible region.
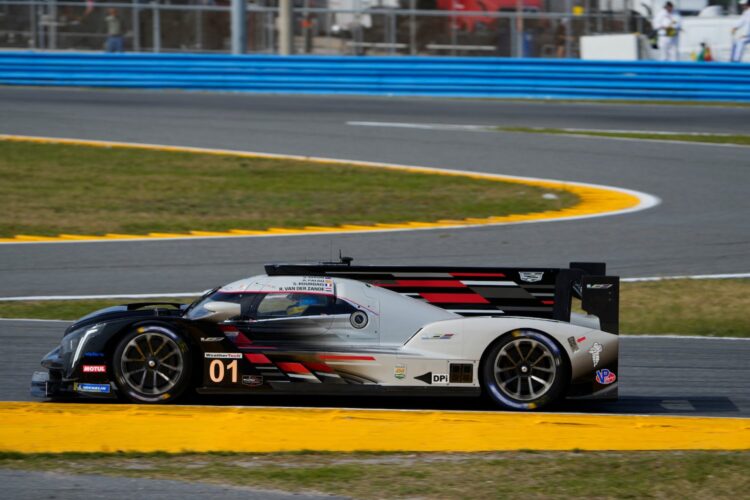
(338, 329)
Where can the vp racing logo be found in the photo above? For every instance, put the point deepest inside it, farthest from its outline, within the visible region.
(605, 377)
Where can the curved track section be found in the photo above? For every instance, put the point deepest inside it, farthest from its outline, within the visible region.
(700, 228)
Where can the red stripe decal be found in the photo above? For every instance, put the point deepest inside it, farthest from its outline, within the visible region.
(580, 339)
(478, 275)
(241, 341)
(293, 368)
(258, 359)
(338, 357)
(548, 302)
(428, 284)
(454, 298)
(319, 367)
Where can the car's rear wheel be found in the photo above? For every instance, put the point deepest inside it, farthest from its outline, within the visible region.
(525, 370)
(152, 364)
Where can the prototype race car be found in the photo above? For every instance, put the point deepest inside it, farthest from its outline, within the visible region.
(339, 329)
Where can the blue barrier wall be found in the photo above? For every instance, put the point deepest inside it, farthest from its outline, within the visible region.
(434, 76)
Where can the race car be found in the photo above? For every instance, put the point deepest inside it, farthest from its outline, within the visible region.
(338, 329)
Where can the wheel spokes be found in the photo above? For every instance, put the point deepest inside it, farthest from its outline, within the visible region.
(525, 377)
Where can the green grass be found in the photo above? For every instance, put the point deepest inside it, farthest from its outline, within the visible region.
(51, 189)
(496, 475)
(736, 139)
(687, 307)
(67, 309)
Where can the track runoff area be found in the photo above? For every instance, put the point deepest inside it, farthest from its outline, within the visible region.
(54, 427)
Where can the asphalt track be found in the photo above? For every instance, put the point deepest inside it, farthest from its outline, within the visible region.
(700, 227)
(660, 376)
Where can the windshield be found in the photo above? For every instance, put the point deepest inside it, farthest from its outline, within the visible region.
(221, 306)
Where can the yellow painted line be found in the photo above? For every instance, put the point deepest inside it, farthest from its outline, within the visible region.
(48, 427)
(594, 200)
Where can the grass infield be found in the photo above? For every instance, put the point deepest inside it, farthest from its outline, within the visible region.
(432, 475)
(735, 139)
(49, 189)
(714, 308)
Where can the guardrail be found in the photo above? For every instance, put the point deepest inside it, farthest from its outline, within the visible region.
(436, 76)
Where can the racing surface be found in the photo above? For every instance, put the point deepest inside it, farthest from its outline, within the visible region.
(661, 376)
(700, 227)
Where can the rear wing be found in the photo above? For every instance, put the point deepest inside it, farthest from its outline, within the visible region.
(488, 291)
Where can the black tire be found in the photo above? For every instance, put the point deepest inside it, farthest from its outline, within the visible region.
(525, 370)
(152, 364)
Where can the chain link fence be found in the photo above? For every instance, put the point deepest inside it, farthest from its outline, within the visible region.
(205, 27)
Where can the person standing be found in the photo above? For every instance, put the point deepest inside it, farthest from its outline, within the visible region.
(741, 32)
(668, 23)
(114, 31)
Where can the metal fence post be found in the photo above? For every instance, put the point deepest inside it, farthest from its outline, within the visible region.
(136, 20)
(52, 25)
(156, 28)
(412, 28)
(239, 26)
(286, 28)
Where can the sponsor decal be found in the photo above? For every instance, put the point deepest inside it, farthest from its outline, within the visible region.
(573, 344)
(309, 284)
(399, 371)
(212, 339)
(252, 380)
(580, 339)
(438, 336)
(97, 388)
(433, 378)
(605, 377)
(531, 276)
(223, 355)
(595, 351)
(599, 286)
(93, 354)
(94, 368)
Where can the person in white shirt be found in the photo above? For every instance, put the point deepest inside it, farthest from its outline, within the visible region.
(667, 23)
(741, 32)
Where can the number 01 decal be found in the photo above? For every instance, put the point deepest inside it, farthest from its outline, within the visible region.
(217, 371)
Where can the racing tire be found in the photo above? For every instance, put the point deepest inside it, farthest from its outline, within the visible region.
(525, 370)
(152, 364)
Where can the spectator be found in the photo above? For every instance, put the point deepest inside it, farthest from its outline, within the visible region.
(667, 23)
(743, 27)
(114, 31)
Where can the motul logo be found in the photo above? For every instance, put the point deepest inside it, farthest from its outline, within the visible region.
(94, 369)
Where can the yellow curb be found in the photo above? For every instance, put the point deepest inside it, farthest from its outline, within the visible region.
(54, 428)
(594, 201)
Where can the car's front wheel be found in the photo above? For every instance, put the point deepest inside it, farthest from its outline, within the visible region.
(152, 365)
(525, 370)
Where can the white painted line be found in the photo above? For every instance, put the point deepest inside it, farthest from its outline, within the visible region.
(33, 320)
(424, 126)
(97, 297)
(671, 336)
(573, 132)
(688, 277)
